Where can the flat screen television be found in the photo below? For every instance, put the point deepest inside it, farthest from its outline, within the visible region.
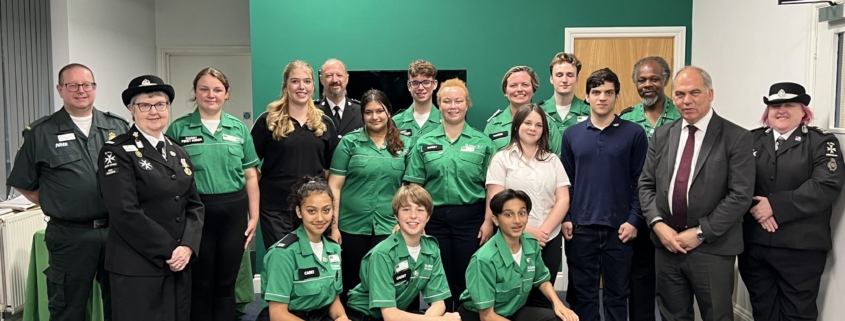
(391, 82)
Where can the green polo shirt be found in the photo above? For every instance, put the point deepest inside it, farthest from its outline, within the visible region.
(636, 114)
(408, 125)
(372, 177)
(60, 161)
(293, 274)
(219, 158)
(578, 112)
(499, 130)
(452, 171)
(391, 278)
(494, 279)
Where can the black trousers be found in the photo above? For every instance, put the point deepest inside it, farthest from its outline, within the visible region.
(708, 277)
(275, 223)
(552, 258)
(641, 302)
(783, 284)
(354, 247)
(76, 256)
(571, 294)
(321, 314)
(524, 313)
(456, 229)
(219, 259)
(144, 298)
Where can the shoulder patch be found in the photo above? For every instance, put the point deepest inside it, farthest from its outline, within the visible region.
(34, 124)
(354, 101)
(287, 240)
(626, 110)
(820, 130)
(498, 111)
(109, 114)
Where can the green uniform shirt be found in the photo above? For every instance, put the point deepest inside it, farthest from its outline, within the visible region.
(60, 161)
(499, 130)
(293, 274)
(390, 278)
(636, 114)
(372, 177)
(407, 124)
(579, 111)
(453, 172)
(494, 279)
(219, 158)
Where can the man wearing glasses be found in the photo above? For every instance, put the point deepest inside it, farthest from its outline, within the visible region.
(56, 169)
(344, 111)
(422, 116)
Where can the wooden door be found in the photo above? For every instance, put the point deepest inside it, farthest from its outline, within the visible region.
(620, 55)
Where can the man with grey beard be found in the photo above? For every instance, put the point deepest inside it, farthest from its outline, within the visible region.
(651, 74)
(345, 112)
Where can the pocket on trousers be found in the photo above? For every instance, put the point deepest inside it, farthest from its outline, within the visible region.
(55, 287)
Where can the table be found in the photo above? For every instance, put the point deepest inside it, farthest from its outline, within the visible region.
(35, 307)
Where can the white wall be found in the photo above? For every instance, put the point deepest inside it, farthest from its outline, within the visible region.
(747, 46)
(202, 23)
(115, 38)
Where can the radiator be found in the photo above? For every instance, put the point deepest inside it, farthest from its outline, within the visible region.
(16, 230)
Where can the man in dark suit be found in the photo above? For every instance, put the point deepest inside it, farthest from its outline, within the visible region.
(787, 232)
(696, 184)
(344, 111)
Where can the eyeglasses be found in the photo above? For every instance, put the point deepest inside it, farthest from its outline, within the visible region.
(85, 87)
(144, 107)
(425, 83)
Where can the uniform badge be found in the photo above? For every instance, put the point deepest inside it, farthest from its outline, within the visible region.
(112, 135)
(145, 165)
(416, 272)
(781, 94)
(325, 259)
(110, 160)
(528, 260)
(172, 153)
(582, 118)
(754, 152)
(831, 165)
(185, 166)
(797, 138)
(831, 150)
(138, 153)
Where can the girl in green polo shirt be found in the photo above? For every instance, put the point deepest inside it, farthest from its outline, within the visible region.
(366, 171)
(395, 272)
(301, 278)
(502, 273)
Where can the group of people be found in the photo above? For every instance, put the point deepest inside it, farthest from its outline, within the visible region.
(365, 211)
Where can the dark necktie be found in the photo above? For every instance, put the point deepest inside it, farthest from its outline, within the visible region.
(336, 117)
(160, 149)
(779, 141)
(679, 192)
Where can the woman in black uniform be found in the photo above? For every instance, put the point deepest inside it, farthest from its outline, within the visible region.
(293, 138)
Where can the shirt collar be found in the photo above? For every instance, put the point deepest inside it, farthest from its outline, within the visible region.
(153, 140)
(785, 135)
(342, 104)
(505, 251)
(196, 120)
(702, 123)
(441, 130)
(615, 122)
(514, 150)
(433, 114)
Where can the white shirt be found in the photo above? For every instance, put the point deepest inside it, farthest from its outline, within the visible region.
(342, 105)
(153, 140)
(421, 118)
(84, 123)
(211, 125)
(701, 125)
(414, 251)
(537, 179)
(517, 257)
(318, 249)
(563, 110)
(785, 136)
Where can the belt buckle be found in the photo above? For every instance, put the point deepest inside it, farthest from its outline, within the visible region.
(100, 223)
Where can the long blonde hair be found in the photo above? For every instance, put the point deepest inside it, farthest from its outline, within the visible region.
(279, 121)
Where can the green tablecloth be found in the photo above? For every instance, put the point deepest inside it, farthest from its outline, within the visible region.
(35, 307)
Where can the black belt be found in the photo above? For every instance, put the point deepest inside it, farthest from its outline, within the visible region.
(316, 313)
(358, 316)
(104, 223)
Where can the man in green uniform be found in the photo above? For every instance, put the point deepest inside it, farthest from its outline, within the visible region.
(519, 85)
(56, 168)
(564, 106)
(651, 74)
(423, 116)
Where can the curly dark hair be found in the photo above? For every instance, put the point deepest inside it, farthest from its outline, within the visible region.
(305, 187)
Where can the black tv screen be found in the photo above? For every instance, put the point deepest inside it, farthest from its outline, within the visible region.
(391, 82)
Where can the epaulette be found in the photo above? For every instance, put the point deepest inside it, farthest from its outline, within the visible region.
(120, 139)
(498, 111)
(820, 130)
(173, 141)
(431, 239)
(626, 110)
(541, 103)
(550, 118)
(109, 114)
(37, 122)
(759, 129)
(287, 240)
(331, 240)
(354, 101)
(400, 111)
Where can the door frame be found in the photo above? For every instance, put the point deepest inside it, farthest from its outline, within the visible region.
(678, 33)
(163, 55)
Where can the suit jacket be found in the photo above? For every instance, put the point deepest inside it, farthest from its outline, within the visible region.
(349, 121)
(801, 181)
(153, 204)
(721, 189)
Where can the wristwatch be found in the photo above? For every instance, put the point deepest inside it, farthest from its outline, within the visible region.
(699, 233)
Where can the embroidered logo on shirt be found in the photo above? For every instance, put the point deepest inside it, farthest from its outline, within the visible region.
(405, 132)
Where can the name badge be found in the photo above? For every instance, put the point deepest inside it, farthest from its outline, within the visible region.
(308, 273)
(432, 148)
(188, 140)
(129, 148)
(405, 132)
(582, 118)
(495, 136)
(334, 258)
(402, 266)
(66, 137)
(231, 138)
(404, 276)
(468, 148)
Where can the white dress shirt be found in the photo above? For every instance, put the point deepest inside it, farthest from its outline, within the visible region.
(342, 105)
(701, 125)
(785, 136)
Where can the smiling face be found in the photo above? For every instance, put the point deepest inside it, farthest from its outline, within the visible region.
(299, 86)
(150, 121)
(531, 129)
(513, 219)
(421, 88)
(211, 94)
(785, 117)
(334, 78)
(80, 99)
(519, 90)
(649, 82)
(412, 218)
(691, 95)
(316, 214)
(453, 104)
(375, 116)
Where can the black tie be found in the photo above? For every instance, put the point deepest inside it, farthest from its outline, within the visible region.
(160, 149)
(336, 117)
(779, 141)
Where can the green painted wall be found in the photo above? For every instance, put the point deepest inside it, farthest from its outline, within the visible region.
(486, 37)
